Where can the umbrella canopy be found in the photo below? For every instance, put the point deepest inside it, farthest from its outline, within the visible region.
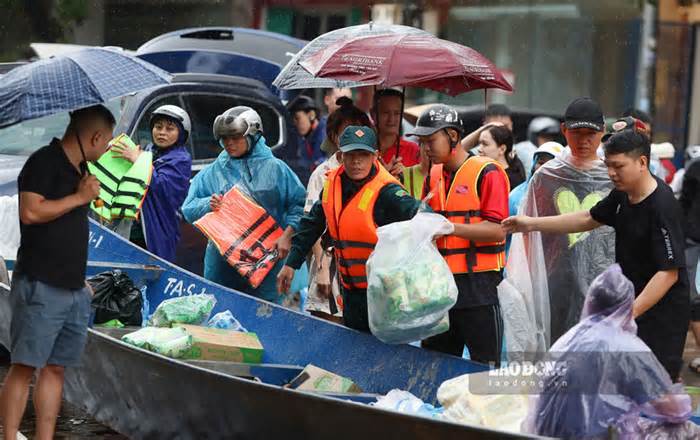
(293, 76)
(73, 81)
(408, 60)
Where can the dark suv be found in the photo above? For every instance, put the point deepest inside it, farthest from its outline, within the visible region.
(203, 96)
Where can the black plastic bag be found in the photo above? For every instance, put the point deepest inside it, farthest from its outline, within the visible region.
(116, 297)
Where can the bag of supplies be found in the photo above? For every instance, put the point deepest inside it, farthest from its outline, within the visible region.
(410, 287)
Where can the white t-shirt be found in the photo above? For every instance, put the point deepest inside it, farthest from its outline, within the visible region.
(318, 177)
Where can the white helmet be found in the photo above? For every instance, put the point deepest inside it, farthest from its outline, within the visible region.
(693, 152)
(553, 148)
(237, 121)
(664, 150)
(176, 113)
(542, 124)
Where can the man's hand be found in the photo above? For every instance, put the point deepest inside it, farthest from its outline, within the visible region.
(88, 189)
(215, 202)
(284, 245)
(517, 223)
(121, 150)
(89, 289)
(284, 279)
(395, 166)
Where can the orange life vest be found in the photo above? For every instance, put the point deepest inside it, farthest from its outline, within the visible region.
(352, 227)
(461, 204)
(245, 235)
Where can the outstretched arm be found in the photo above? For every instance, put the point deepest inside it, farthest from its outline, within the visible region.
(581, 221)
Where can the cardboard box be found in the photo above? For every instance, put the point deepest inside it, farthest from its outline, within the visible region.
(213, 344)
(314, 378)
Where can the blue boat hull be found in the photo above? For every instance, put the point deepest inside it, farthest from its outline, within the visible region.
(147, 396)
(289, 337)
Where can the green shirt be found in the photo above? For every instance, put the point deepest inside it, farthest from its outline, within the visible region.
(394, 204)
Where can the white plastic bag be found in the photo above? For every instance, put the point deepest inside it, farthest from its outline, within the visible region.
(410, 287)
(9, 226)
(406, 403)
(519, 329)
(498, 411)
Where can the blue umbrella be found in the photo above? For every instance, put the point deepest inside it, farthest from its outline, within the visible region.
(73, 81)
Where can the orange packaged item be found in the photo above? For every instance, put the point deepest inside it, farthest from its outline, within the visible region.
(245, 235)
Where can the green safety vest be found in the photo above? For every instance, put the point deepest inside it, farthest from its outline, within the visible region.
(123, 185)
(133, 188)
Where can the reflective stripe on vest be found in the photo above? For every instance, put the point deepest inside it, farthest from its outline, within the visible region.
(352, 227)
(461, 204)
(245, 235)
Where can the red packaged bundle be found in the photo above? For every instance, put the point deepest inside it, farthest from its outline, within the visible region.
(245, 235)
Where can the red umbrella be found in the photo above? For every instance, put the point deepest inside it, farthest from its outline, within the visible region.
(409, 61)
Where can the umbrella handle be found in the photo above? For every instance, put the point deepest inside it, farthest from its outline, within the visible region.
(403, 105)
(99, 203)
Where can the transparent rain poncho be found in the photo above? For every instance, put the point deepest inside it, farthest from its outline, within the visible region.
(606, 376)
(553, 271)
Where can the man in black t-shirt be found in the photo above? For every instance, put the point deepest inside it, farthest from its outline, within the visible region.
(50, 300)
(649, 243)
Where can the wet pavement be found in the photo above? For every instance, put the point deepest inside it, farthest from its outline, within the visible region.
(72, 423)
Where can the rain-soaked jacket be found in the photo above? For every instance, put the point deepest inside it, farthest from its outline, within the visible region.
(553, 271)
(270, 182)
(160, 217)
(606, 376)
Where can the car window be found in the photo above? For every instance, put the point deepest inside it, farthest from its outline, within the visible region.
(26, 137)
(143, 131)
(204, 108)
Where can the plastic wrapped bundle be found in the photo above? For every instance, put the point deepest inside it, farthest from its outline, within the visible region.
(410, 287)
(245, 235)
(9, 226)
(192, 309)
(172, 342)
(498, 411)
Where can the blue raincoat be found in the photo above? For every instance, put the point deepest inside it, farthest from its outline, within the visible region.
(272, 184)
(160, 217)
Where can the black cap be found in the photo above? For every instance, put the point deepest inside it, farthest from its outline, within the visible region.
(302, 103)
(436, 118)
(584, 113)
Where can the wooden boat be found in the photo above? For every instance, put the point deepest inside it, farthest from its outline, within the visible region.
(145, 395)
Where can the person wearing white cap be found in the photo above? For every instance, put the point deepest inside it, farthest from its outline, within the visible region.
(543, 154)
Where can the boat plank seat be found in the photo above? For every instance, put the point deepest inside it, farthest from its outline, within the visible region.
(273, 374)
(146, 272)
